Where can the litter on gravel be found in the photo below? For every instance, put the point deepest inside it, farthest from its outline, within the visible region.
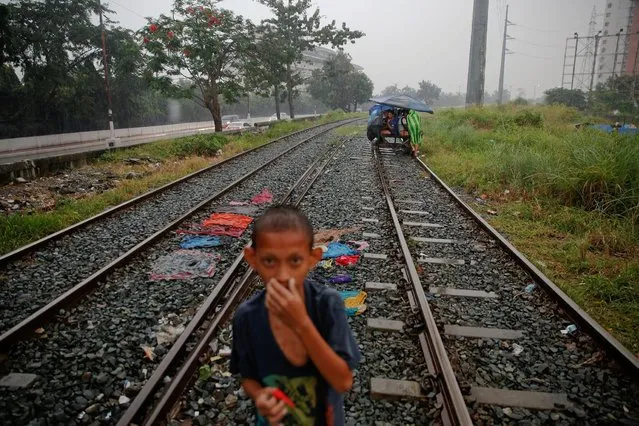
(335, 250)
(200, 241)
(263, 197)
(353, 302)
(184, 265)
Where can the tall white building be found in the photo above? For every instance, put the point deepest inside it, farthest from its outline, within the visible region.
(618, 15)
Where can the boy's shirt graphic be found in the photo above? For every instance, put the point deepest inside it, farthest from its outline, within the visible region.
(256, 355)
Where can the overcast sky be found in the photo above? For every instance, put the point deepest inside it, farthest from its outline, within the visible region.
(411, 40)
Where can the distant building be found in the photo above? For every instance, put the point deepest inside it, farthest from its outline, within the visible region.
(315, 59)
(620, 16)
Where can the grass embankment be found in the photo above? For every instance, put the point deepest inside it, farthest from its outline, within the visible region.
(568, 199)
(177, 158)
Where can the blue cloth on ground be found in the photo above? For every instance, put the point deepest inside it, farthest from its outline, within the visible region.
(335, 250)
(200, 241)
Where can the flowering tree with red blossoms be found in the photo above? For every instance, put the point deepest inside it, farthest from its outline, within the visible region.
(203, 44)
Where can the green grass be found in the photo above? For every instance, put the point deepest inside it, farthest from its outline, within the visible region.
(178, 157)
(568, 199)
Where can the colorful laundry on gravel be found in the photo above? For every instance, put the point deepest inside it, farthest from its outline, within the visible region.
(347, 260)
(328, 235)
(353, 302)
(326, 264)
(340, 279)
(263, 197)
(184, 265)
(200, 241)
(335, 250)
(359, 245)
(230, 224)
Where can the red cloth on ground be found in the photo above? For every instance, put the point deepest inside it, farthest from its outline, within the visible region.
(263, 197)
(228, 219)
(347, 260)
(229, 224)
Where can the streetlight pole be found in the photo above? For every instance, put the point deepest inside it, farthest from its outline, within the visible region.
(112, 140)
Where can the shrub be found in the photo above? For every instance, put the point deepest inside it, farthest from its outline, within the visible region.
(529, 118)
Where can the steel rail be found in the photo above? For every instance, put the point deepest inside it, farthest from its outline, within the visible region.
(27, 326)
(222, 289)
(22, 251)
(578, 315)
(453, 400)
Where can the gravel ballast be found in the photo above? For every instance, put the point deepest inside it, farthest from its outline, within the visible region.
(601, 392)
(29, 283)
(335, 201)
(90, 361)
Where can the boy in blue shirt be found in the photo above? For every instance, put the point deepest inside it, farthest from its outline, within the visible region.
(293, 337)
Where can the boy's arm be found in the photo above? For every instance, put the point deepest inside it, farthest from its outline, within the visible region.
(288, 305)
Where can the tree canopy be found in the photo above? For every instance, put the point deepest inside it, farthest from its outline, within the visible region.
(297, 28)
(339, 85)
(573, 98)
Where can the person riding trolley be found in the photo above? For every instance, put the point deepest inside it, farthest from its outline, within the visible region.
(396, 117)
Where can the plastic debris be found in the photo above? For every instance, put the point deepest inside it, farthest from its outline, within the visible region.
(341, 279)
(360, 245)
(517, 349)
(569, 330)
(238, 203)
(124, 400)
(204, 372)
(347, 260)
(263, 197)
(529, 288)
(200, 241)
(491, 212)
(328, 235)
(335, 250)
(225, 351)
(168, 334)
(184, 265)
(326, 264)
(353, 302)
(148, 352)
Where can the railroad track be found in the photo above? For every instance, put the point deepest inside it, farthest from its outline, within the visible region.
(417, 369)
(500, 319)
(33, 275)
(94, 342)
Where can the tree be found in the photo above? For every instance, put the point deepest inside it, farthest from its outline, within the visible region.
(265, 69)
(339, 85)
(362, 89)
(299, 30)
(395, 90)
(428, 92)
(573, 98)
(203, 44)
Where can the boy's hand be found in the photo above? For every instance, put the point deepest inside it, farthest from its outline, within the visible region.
(269, 407)
(286, 304)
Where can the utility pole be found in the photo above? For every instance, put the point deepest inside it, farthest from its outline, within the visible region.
(504, 51)
(112, 139)
(477, 61)
(594, 60)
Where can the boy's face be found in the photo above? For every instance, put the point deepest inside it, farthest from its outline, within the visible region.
(282, 256)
